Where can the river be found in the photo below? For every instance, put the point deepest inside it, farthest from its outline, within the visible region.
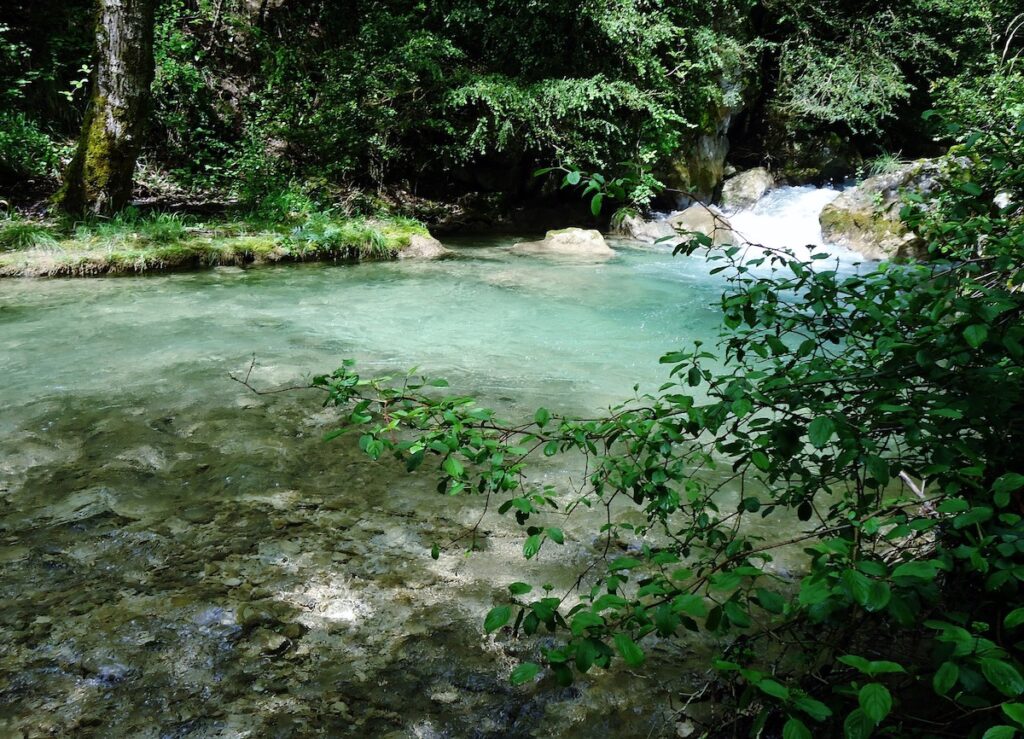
(180, 557)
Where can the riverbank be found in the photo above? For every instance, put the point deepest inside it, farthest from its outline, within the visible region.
(167, 242)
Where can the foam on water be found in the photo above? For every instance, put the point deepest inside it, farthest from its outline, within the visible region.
(787, 217)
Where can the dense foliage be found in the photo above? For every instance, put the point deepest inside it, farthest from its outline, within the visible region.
(874, 415)
(456, 95)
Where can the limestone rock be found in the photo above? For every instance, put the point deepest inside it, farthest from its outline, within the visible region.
(424, 247)
(699, 168)
(746, 188)
(704, 219)
(649, 232)
(866, 218)
(567, 242)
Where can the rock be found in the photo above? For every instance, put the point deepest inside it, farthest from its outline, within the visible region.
(268, 642)
(866, 218)
(425, 247)
(198, 514)
(567, 242)
(704, 219)
(649, 232)
(746, 188)
(698, 170)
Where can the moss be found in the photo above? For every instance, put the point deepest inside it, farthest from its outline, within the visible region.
(131, 245)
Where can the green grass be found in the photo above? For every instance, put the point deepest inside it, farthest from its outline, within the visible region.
(17, 234)
(884, 163)
(132, 243)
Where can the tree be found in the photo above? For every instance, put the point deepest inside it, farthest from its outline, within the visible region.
(99, 178)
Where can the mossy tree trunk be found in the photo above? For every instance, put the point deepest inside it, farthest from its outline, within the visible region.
(99, 178)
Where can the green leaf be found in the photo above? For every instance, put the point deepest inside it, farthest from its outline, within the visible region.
(876, 701)
(916, 569)
(1000, 732)
(435, 551)
(820, 431)
(761, 461)
(631, 653)
(1008, 483)
(531, 546)
(524, 673)
(624, 563)
(586, 653)
(878, 468)
(796, 729)
(858, 585)
(556, 535)
(541, 417)
(498, 617)
(978, 514)
(773, 688)
(454, 467)
(879, 596)
(595, 203)
(976, 334)
(573, 178)
(1014, 618)
(1003, 676)
(858, 725)
(1015, 711)
(770, 601)
(585, 620)
(945, 677)
(519, 588)
(813, 708)
(738, 616)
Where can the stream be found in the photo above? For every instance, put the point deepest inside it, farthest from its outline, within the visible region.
(180, 557)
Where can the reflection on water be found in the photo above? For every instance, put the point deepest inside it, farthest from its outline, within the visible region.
(179, 557)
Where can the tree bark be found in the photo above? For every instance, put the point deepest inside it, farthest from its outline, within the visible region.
(100, 177)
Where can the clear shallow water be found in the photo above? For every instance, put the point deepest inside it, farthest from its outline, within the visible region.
(179, 557)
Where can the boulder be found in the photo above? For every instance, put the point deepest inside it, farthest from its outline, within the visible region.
(567, 242)
(649, 232)
(704, 219)
(866, 218)
(424, 247)
(746, 188)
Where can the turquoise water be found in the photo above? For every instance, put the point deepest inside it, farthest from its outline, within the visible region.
(557, 331)
(180, 557)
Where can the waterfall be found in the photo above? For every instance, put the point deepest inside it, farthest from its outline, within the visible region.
(788, 217)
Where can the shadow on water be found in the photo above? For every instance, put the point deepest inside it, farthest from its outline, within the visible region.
(198, 570)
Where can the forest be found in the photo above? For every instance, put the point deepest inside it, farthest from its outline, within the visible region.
(626, 368)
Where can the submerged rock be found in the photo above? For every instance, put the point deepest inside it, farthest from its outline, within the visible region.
(866, 218)
(746, 188)
(569, 242)
(704, 219)
(425, 247)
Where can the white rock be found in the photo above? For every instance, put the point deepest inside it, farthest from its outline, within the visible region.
(567, 242)
(704, 219)
(746, 188)
(424, 247)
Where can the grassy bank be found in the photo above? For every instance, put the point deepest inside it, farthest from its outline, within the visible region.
(135, 244)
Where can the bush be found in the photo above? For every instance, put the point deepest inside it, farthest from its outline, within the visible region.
(875, 416)
(25, 150)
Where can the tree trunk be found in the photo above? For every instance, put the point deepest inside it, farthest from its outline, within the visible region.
(99, 178)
